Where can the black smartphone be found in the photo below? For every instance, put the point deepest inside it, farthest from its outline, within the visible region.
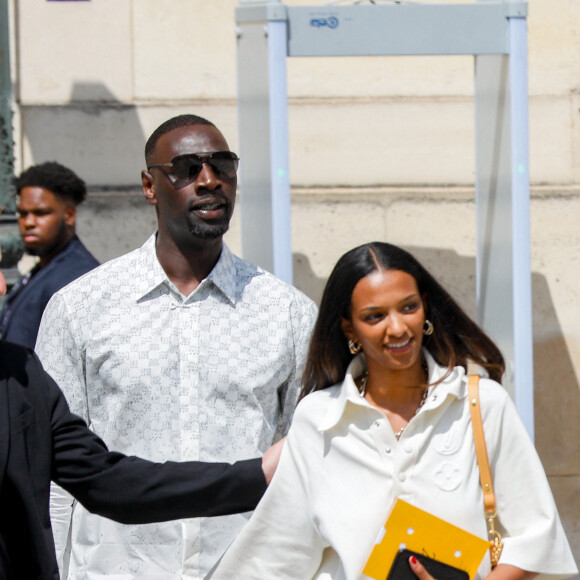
(400, 570)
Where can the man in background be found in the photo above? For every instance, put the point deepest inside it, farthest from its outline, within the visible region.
(176, 351)
(48, 196)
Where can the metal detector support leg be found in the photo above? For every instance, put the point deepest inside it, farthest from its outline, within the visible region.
(263, 138)
(503, 212)
(522, 286)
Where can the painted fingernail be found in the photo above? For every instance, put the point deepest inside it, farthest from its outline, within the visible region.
(413, 560)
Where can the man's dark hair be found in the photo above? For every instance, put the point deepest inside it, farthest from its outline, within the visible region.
(60, 180)
(170, 125)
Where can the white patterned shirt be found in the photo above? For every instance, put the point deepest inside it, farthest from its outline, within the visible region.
(212, 377)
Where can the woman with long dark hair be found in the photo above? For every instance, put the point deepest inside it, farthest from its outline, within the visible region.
(385, 415)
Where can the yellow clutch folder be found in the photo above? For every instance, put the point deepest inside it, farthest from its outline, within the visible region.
(410, 527)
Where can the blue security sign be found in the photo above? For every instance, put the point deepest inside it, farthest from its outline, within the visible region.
(330, 22)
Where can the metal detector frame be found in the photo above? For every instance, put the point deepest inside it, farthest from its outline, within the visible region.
(495, 33)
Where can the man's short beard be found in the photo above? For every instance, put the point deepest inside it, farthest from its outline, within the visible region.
(49, 249)
(207, 231)
(36, 251)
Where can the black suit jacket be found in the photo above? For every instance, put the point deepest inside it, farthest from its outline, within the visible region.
(23, 307)
(40, 440)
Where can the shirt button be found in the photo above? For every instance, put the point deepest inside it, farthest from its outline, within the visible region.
(387, 450)
(407, 449)
(402, 477)
(377, 424)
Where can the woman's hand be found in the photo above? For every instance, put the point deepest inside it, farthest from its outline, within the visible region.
(502, 572)
(419, 570)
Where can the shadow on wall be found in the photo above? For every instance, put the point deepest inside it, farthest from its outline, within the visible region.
(96, 135)
(456, 273)
(112, 223)
(102, 140)
(556, 398)
(557, 409)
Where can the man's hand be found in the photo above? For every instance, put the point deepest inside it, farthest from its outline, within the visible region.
(271, 458)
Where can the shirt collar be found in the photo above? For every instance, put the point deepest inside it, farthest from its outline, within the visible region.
(68, 249)
(152, 274)
(223, 275)
(63, 255)
(148, 269)
(348, 393)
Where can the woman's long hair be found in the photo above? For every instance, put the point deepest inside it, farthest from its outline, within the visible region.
(455, 341)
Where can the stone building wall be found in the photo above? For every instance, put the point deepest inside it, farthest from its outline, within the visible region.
(380, 148)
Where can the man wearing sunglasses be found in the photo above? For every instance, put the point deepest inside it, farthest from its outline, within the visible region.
(178, 350)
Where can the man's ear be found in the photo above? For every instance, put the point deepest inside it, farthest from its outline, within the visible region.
(148, 185)
(70, 215)
(347, 329)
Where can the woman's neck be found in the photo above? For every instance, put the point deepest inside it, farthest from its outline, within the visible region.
(396, 391)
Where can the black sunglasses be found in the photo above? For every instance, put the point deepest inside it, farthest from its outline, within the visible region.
(186, 168)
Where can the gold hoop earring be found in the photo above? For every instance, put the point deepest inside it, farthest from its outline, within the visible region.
(353, 346)
(428, 328)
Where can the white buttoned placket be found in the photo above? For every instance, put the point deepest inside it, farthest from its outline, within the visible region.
(400, 456)
(185, 316)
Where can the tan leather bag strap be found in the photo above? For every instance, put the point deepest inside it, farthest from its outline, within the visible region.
(480, 448)
(495, 541)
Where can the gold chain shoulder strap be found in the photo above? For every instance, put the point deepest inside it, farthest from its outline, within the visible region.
(484, 471)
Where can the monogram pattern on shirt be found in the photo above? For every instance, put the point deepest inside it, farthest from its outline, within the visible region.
(213, 376)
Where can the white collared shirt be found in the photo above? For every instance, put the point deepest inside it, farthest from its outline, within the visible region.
(342, 468)
(213, 376)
